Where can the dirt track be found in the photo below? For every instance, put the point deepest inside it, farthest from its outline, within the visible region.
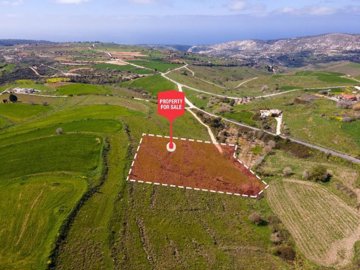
(193, 164)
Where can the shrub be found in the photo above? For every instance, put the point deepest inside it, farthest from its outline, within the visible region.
(59, 131)
(257, 219)
(276, 238)
(356, 107)
(344, 104)
(224, 108)
(319, 173)
(356, 258)
(348, 119)
(306, 175)
(271, 143)
(285, 252)
(13, 98)
(287, 171)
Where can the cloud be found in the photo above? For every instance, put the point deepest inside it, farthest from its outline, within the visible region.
(143, 1)
(238, 5)
(309, 10)
(245, 7)
(11, 3)
(71, 2)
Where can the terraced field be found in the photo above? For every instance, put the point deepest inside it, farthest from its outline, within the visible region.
(324, 227)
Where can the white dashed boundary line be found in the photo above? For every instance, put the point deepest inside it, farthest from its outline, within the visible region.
(192, 188)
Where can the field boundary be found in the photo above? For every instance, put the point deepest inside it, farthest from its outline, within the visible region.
(128, 179)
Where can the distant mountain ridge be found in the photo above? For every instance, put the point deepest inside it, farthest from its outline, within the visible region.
(292, 51)
(13, 42)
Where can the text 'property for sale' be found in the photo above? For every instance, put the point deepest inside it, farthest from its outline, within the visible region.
(172, 104)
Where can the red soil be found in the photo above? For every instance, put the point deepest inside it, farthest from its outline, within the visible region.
(193, 164)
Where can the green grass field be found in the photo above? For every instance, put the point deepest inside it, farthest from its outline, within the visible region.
(51, 154)
(82, 89)
(166, 228)
(125, 68)
(229, 77)
(152, 84)
(19, 112)
(350, 68)
(155, 64)
(328, 77)
(32, 210)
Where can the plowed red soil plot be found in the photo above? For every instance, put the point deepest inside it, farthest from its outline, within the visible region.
(195, 165)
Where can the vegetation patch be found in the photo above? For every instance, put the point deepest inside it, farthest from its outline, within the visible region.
(152, 84)
(57, 80)
(82, 89)
(124, 68)
(156, 65)
(18, 112)
(329, 77)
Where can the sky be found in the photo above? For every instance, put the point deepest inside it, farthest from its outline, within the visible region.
(192, 22)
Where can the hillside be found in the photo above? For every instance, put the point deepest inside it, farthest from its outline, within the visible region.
(290, 52)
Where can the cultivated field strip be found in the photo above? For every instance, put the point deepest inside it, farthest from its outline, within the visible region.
(317, 219)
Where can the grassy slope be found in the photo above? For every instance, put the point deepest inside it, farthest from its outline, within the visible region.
(41, 175)
(32, 211)
(155, 64)
(226, 76)
(350, 68)
(125, 68)
(167, 228)
(89, 237)
(32, 148)
(50, 154)
(82, 89)
(18, 112)
(152, 84)
(291, 81)
(196, 83)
